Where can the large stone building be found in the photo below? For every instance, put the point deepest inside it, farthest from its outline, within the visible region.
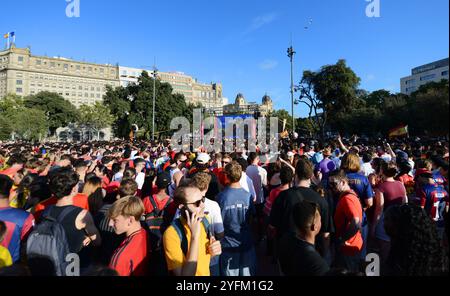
(421, 75)
(80, 83)
(209, 95)
(241, 106)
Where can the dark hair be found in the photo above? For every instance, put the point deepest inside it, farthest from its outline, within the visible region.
(286, 175)
(139, 161)
(127, 154)
(304, 169)
(2, 230)
(415, 244)
(129, 173)
(103, 169)
(303, 215)
(5, 186)
(63, 182)
(95, 201)
(251, 157)
(389, 169)
(115, 168)
(377, 163)
(366, 157)
(242, 163)
(127, 187)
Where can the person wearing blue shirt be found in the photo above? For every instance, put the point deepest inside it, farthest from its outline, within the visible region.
(359, 183)
(238, 253)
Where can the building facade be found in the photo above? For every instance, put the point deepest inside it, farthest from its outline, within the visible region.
(241, 106)
(421, 75)
(209, 95)
(80, 83)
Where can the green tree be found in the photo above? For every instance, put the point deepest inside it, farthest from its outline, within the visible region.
(97, 116)
(5, 129)
(329, 93)
(376, 99)
(58, 111)
(282, 115)
(429, 111)
(134, 105)
(30, 124)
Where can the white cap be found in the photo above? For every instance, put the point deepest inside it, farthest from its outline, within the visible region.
(203, 158)
(290, 154)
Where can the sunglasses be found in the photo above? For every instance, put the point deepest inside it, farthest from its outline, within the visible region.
(198, 202)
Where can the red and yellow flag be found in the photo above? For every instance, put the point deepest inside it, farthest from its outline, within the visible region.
(398, 131)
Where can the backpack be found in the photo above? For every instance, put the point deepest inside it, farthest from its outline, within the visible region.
(154, 222)
(182, 235)
(48, 241)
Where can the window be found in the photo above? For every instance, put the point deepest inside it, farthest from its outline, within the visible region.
(102, 70)
(38, 62)
(427, 77)
(78, 67)
(19, 82)
(90, 69)
(411, 81)
(52, 65)
(19, 90)
(445, 73)
(66, 67)
(80, 87)
(20, 59)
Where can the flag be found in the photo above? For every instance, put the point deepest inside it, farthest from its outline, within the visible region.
(6, 36)
(12, 34)
(398, 131)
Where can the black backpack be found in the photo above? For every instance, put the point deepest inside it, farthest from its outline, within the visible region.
(154, 222)
(48, 242)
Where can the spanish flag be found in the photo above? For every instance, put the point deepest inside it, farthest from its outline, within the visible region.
(398, 131)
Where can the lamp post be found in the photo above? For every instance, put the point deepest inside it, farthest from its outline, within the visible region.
(291, 54)
(155, 73)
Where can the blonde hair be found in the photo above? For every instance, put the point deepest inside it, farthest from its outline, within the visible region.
(233, 171)
(201, 181)
(129, 206)
(350, 163)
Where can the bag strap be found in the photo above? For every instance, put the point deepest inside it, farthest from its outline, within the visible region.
(179, 228)
(181, 234)
(155, 207)
(66, 212)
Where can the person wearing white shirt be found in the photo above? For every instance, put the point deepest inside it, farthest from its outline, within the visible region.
(139, 166)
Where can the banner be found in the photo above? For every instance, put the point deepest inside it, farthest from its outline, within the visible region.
(398, 131)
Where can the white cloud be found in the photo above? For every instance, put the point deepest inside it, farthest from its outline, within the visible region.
(261, 21)
(268, 65)
(370, 77)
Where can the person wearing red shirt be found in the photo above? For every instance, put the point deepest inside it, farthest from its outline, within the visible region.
(347, 219)
(131, 257)
(161, 198)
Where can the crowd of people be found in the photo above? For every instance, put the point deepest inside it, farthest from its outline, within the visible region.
(148, 209)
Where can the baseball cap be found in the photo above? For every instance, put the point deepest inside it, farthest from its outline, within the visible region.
(203, 158)
(163, 180)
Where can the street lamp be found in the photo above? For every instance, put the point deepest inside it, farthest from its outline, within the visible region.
(155, 73)
(291, 53)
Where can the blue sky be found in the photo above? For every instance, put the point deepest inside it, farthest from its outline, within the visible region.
(241, 43)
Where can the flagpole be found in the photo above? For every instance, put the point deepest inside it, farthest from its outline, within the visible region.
(7, 42)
